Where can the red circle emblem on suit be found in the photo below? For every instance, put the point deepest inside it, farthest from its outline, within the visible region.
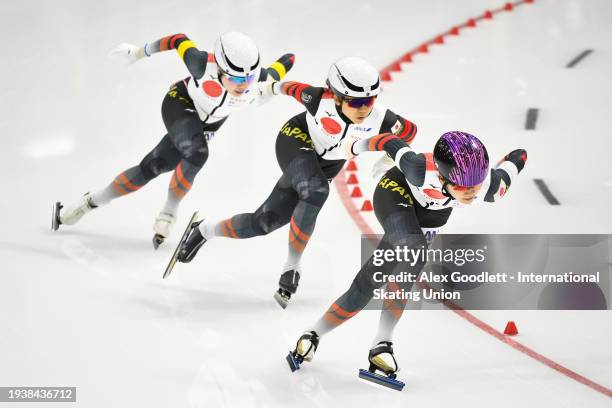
(433, 193)
(212, 88)
(331, 126)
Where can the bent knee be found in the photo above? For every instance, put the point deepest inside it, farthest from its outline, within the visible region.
(314, 190)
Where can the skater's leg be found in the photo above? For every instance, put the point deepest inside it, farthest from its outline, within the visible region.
(189, 138)
(303, 169)
(184, 176)
(275, 212)
(272, 214)
(312, 189)
(402, 228)
(161, 159)
(385, 203)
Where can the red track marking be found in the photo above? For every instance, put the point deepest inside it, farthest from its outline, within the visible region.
(364, 227)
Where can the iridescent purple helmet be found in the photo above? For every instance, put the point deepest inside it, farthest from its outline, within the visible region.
(461, 158)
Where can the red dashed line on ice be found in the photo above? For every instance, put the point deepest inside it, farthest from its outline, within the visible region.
(355, 211)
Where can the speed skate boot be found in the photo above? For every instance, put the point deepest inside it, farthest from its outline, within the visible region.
(382, 359)
(163, 225)
(287, 285)
(191, 244)
(304, 350)
(71, 214)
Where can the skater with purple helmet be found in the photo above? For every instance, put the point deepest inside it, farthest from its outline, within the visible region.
(412, 201)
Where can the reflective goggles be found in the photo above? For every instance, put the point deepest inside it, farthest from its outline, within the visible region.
(357, 103)
(240, 80)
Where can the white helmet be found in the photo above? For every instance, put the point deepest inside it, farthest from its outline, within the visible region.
(236, 54)
(353, 76)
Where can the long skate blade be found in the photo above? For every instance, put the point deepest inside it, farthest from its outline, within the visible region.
(55, 216)
(282, 300)
(157, 241)
(294, 364)
(178, 247)
(381, 380)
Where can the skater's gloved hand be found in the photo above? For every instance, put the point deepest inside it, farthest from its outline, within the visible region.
(128, 53)
(267, 90)
(347, 147)
(381, 166)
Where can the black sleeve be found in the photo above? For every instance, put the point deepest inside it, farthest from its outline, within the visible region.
(402, 128)
(309, 96)
(501, 179)
(194, 59)
(413, 165)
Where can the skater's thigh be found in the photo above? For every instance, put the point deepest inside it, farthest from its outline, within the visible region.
(293, 144)
(184, 126)
(277, 209)
(163, 158)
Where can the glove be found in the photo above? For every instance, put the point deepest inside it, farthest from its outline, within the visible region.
(128, 52)
(267, 90)
(381, 166)
(347, 147)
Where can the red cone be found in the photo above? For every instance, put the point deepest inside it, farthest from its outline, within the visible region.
(352, 179)
(424, 48)
(356, 192)
(352, 166)
(510, 329)
(454, 31)
(508, 7)
(395, 67)
(439, 40)
(367, 206)
(385, 75)
(471, 23)
(407, 57)
(488, 15)
(529, 1)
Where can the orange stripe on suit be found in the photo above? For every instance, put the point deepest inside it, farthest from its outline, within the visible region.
(230, 228)
(118, 188)
(333, 320)
(296, 230)
(181, 179)
(295, 243)
(127, 182)
(340, 311)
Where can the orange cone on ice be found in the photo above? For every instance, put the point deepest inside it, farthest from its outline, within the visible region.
(352, 179)
(367, 206)
(510, 329)
(351, 166)
(356, 192)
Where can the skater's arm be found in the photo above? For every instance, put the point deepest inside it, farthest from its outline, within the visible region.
(278, 69)
(194, 59)
(309, 96)
(504, 173)
(268, 85)
(412, 164)
(402, 128)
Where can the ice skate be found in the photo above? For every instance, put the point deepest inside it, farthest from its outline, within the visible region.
(162, 227)
(186, 249)
(72, 214)
(382, 359)
(287, 285)
(304, 350)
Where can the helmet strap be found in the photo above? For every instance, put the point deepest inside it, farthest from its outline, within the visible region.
(445, 190)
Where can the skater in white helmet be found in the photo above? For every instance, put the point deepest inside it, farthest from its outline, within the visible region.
(412, 201)
(193, 110)
(309, 153)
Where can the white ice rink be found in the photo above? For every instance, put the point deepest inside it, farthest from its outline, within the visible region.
(87, 307)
